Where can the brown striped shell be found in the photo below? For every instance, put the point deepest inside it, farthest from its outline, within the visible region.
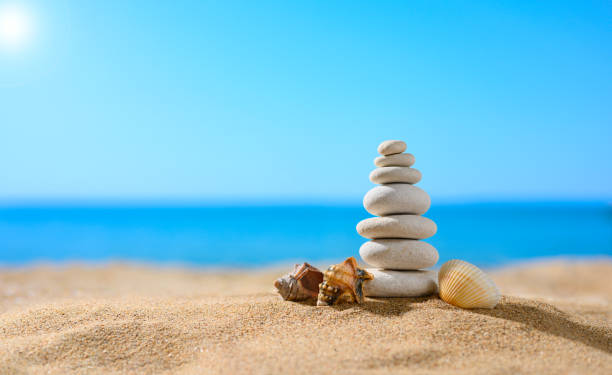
(342, 283)
(301, 284)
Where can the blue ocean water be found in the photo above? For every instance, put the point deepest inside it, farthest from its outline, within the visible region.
(486, 234)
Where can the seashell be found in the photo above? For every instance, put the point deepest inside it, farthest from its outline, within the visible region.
(464, 285)
(301, 284)
(342, 283)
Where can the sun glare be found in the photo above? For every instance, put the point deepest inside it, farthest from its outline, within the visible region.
(15, 26)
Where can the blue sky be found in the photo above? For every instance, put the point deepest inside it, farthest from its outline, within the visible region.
(285, 100)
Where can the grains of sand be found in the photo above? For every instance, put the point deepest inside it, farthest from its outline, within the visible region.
(118, 319)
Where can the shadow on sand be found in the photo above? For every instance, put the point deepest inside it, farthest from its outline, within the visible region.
(383, 306)
(534, 314)
(548, 319)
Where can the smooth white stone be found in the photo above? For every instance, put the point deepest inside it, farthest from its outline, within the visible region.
(388, 175)
(397, 226)
(395, 160)
(391, 147)
(387, 283)
(399, 254)
(396, 199)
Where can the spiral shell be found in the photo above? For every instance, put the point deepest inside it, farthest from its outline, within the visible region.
(342, 283)
(464, 285)
(301, 284)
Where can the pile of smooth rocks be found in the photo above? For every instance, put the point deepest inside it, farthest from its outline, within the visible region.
(395, 248)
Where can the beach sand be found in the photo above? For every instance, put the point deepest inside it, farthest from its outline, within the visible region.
(555, 317)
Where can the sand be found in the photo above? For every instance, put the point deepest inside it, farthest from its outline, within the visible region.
(555, 318)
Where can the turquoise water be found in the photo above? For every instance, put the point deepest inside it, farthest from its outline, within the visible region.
(486, 234)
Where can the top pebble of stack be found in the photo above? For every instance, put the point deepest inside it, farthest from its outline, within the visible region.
(391, 147)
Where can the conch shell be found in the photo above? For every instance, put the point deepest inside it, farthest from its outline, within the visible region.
(464, 285)
(343, 283)
(301, 284)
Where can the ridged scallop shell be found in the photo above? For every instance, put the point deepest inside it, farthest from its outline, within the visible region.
(301, 284)
(342, 283)
(464, 285)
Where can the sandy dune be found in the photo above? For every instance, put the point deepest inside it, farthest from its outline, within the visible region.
(556, 317)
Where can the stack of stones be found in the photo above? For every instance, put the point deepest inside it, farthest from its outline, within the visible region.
(395, 248)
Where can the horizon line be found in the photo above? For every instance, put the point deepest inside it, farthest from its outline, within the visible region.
(278, 201)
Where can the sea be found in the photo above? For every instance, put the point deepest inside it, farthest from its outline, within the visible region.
(486, 234)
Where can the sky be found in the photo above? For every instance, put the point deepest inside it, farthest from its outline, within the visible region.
(277, 100)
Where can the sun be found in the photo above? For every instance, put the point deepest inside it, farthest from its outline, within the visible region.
(15, 26)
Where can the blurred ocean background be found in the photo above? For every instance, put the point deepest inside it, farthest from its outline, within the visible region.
(488, 234)
(259, 121)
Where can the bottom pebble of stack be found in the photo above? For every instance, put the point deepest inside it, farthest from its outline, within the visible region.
(387, 283)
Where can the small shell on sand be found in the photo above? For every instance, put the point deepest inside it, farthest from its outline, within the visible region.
(301, 284)
(342, 283)
(464, 285)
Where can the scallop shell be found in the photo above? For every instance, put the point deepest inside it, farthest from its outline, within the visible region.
(301, 284)
(464, 285)
(342, 283)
